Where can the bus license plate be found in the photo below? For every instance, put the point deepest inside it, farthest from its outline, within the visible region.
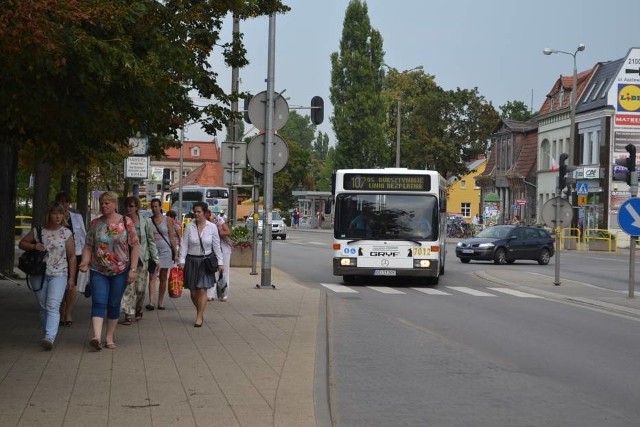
(384, 272)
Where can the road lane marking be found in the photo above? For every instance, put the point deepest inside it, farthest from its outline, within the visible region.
(386, 290)
(515, 293)
(430, 291)
(470, 291)
(339, 288)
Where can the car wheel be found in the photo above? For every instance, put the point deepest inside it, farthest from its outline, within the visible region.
(465, 260)
(500, 256)
(283, 237)
(544, 257)
(511, 261)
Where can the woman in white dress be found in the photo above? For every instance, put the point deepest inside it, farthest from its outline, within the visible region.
(167, 244)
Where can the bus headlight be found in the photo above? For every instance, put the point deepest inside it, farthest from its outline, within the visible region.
(421, 263)
(348, 262)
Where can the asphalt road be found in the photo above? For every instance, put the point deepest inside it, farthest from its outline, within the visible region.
(467, 352)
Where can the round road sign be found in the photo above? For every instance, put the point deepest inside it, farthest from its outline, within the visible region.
(258, 108)
(549, 213)
(279, 153)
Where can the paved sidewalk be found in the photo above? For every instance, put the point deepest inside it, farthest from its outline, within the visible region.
(253, 363)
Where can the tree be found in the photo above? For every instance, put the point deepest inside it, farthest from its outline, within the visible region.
(516, 110)
(321, 146)
(355, 92)
(80, 77)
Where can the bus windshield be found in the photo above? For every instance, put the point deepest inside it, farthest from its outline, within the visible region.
(386, 216)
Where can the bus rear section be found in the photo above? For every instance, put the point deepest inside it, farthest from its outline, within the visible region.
(391, 234)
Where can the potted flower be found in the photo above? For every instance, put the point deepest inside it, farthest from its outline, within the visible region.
(242, 240)
(601, 240)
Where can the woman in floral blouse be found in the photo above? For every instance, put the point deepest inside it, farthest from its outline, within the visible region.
(111, 253)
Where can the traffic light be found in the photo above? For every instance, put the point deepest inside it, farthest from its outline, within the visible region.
(565, 175)
(317, 110)
(629, 162)
(166, 179)
(247, 100)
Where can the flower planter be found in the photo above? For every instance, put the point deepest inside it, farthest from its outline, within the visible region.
(601, 245)
(241, 256)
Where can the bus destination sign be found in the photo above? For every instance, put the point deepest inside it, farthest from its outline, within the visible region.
(373, 182)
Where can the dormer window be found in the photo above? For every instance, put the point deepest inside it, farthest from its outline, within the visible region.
(195, 151)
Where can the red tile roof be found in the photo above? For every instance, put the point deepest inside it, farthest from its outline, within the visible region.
(566, 83)
(209, 151)
(209, 173)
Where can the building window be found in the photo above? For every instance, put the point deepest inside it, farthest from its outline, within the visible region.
(546, 156)
(465, 209)
(463, 184)
(195, 152)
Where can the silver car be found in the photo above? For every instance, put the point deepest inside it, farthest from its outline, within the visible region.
(278, 227)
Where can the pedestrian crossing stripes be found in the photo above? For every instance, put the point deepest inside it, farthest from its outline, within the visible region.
(338, 288)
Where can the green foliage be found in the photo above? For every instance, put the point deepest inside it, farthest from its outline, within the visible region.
(241, 236)
(516, 110)
(355, 92)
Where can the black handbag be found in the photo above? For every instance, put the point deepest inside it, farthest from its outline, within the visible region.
(211, 261)
(32, 263)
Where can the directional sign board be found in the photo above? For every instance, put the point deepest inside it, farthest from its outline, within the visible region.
(629, 217)
(582, 189)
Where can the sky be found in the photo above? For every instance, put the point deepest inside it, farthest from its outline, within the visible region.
(494, 45)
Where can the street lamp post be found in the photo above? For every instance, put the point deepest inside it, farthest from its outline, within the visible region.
(398, 111)
(574, 88)
(572, 134)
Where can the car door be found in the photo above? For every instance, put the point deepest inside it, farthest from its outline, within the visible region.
(517, 246)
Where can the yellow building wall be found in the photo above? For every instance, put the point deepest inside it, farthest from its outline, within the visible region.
(464, 190)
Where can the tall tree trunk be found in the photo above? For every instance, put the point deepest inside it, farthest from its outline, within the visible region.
(82, 198)
(65, 181)
(8, 190)
(41, 191)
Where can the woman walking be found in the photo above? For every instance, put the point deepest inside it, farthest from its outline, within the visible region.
(60, 273)
(75, 223)
(167, 243)
(226, 247)
(111, 253)
(200, 238)
(133, 298)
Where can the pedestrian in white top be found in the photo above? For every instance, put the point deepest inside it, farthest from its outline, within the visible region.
(60, 274)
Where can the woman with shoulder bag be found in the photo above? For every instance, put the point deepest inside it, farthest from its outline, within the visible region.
(60, 274)
(165, 235)
(133, 297)
(199, 241)
(111, 253)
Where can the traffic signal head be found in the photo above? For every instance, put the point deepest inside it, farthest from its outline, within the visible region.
(166, 179)
(629, 162)
(246, 108)
(565, 174)
(317, 110)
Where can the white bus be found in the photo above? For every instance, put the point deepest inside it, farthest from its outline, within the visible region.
(212, 196)
(389, 222)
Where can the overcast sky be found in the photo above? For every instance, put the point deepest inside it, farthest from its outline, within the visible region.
(494, 45)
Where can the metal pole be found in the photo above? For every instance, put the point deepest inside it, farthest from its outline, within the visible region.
(268, 162)
(398, 137)
(180, 172)
(574, 89)
(235, 80)
(255, 194)
(556, 281)
(632, 245)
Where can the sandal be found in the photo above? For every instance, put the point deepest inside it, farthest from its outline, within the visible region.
(149, 307)
(95, 343)
(110, 345)
(138, 315)
(127, 320)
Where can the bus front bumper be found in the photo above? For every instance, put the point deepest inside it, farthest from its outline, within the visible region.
(351, 270)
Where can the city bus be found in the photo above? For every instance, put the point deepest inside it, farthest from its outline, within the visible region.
(214, 197)
(389, 222)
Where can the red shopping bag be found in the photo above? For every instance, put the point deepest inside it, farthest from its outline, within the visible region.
(176, 282)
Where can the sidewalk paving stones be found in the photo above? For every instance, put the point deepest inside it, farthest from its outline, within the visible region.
(251, 364)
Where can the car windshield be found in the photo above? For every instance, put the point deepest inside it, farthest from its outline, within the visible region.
(499, 231)
(275, 216)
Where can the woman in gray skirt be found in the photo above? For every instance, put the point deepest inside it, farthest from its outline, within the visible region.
(200, 238)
